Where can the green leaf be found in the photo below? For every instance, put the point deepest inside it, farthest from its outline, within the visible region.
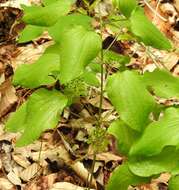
(173, 183)
(49, 2)
(29, 33)
(67, 22)
(125, 135)
(91, 79)
(53, 49)
(162, 83)
(42, 112)
(46, 16)
(17, 119)
(122, 177)
(158, 135)
(95, 66)
(78, 49)
(110, 56)
(130, 98)
(38, 73)
(166, 161)
(143, 28)
(126, 6)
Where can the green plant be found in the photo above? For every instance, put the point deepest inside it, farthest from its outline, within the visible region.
(146, 134)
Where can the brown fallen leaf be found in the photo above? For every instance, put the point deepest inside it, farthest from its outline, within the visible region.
(95, 102)
(176, 4)
(43, 183)
(13, 178)
(21, 160)
(66, 186)
(29, 54)
(79, 168)
(5, 184)
(108, 156)
(29, 172)
(8, 97)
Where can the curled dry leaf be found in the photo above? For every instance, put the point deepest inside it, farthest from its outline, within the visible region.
(6, 158)
(66, 186)
(79, 168)
(169, 10)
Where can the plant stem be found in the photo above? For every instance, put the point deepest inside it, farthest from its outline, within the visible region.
(154, 11)
(101, 101)
(102, 86)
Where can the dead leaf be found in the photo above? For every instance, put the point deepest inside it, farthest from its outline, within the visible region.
(13, 178)
(66, 186)
(5, 184)
(8, 97)
(29, 172)
(15, 3)
(176, 4)
(21, 160)
(95, 102)
(29, 54)
(79, 168)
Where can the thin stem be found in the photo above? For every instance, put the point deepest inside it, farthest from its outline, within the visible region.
(154, 11)
(101, 101)
(111, 44)
(102, 86)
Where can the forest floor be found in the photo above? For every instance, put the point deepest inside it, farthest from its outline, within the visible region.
(61, 158)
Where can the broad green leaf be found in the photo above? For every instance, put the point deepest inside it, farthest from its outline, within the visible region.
(173, 183)
(67, 22)
(130, 98)
(91, 79)
(29, 33)
(42, 112)
(49, 2)
(110, 56)
(126, 6)
(78, 49)
(162, 83)
(46, 16)
(95, 66)
(17, 119)
(143, 28)
(53, 49)
(125, 135)
(166, 161)
(158, 135)
(38, 73)
(122, 177)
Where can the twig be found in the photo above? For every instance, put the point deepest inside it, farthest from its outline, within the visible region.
(154, 11)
